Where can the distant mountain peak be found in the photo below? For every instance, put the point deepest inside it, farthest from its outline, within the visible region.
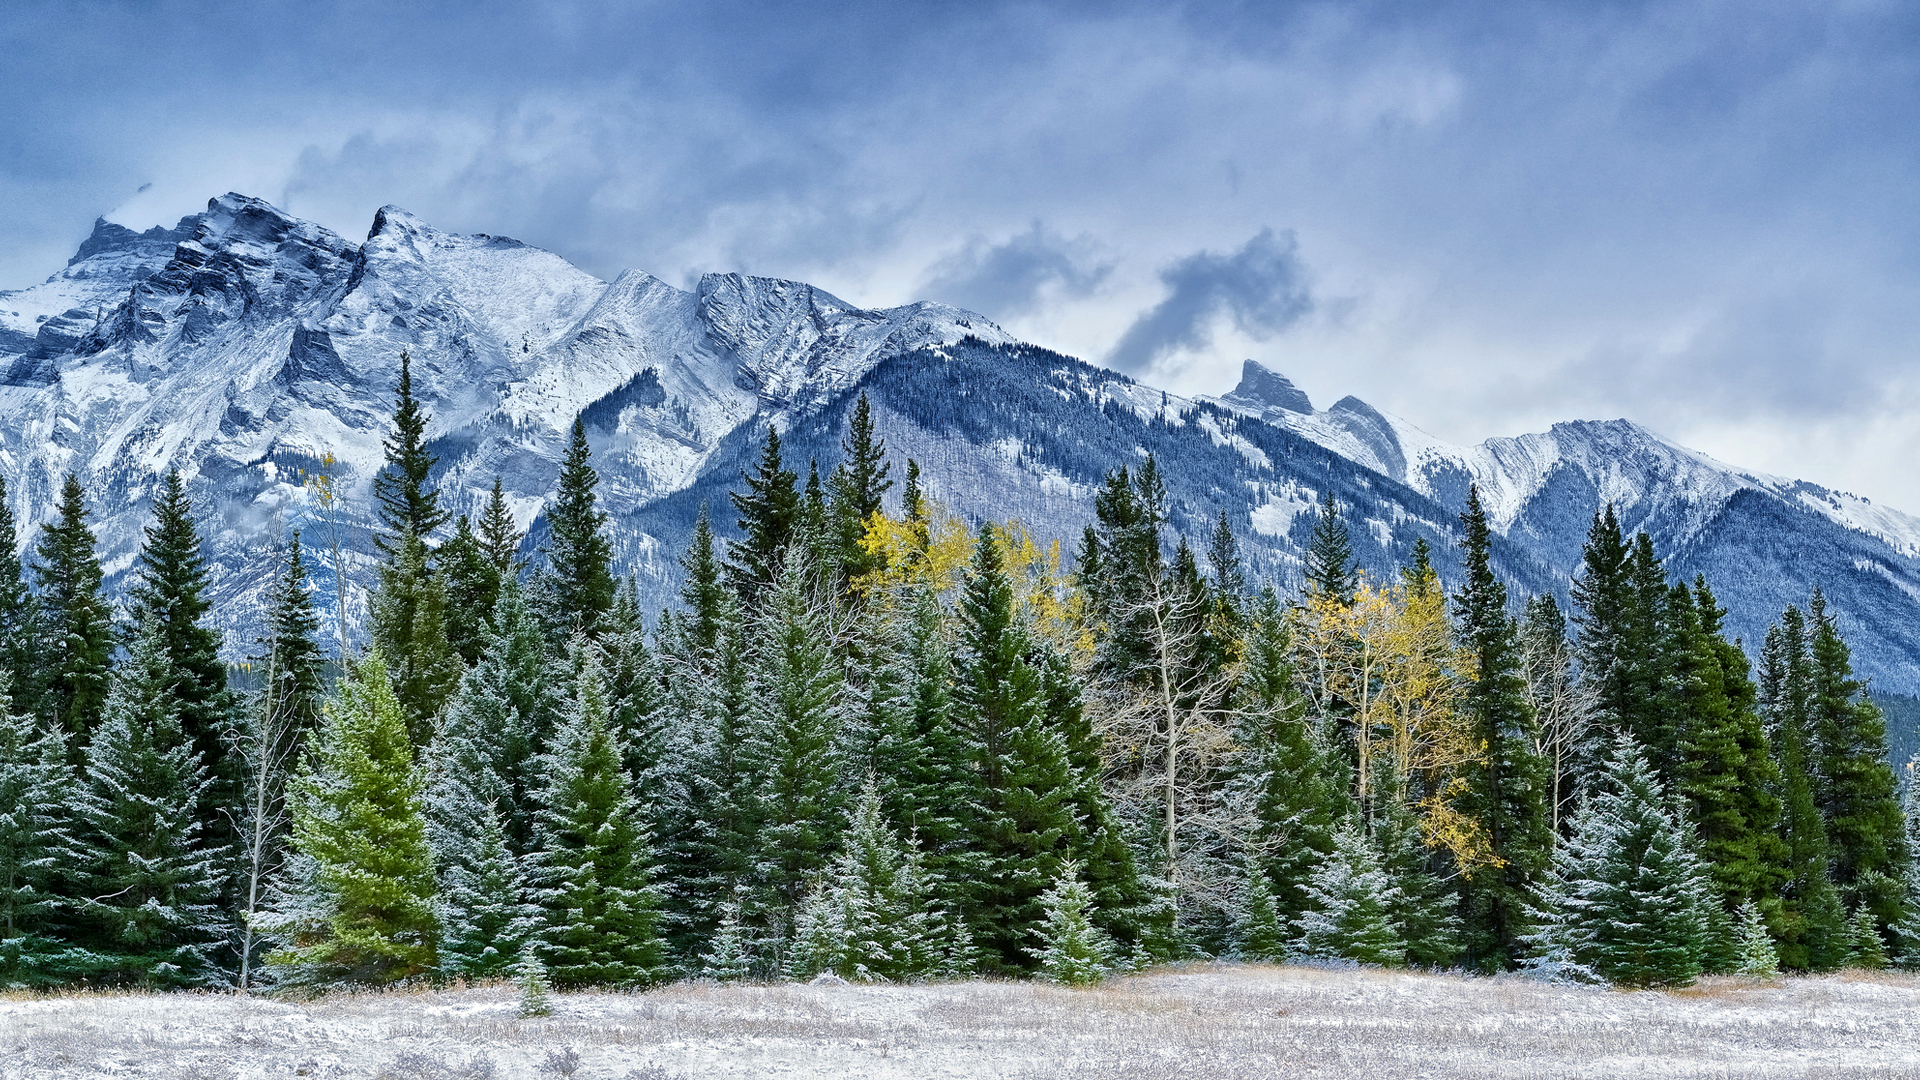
(1262, 387)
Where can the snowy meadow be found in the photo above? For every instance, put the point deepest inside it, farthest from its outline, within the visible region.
(1195, 1022)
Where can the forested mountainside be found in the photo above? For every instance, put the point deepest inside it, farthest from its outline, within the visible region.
(257, 352)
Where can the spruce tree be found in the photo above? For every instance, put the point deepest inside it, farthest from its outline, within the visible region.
(1506, 788)
(769, 515)
(36, 846)
(592, 875)
(873, 916)
(578, 577)
(410, 630)
(1260, 934)
(168, 595)
(502, 716)
(1120, 562)
(856, 488)
(472, 587)
(404, 498)
(290, 653)
(1624, 900)
(1423, 906)
(497, 534)
(1073, 951)
(77, 626)
(1330, 569)
(1603, 600)
(20, 629)
(702, 591)
(149, 901)
(1349, 902)
(1810, 923)
(358, 907)
(1757, 957)
(1857, 791)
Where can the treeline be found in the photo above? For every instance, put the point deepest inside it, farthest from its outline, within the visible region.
(873, 740)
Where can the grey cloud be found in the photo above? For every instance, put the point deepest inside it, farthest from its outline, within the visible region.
(1013, 277)
(1262, 287)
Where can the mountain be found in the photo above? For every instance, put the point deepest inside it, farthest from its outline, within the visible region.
(256, 352)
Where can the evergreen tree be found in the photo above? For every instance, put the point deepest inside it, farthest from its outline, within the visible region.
(703, 591)
(1857, 791)
(599, 910)
(497, 534)
(731, 959)
(1757, 958)
(1260, 933)
(535, 988)
(1651, 717)
(1506, 788)
(1349, 907)
(1864, 947)
(1810, 924)
(20, 629)
(502, 716)
(77, 626)
(769, 514)
(873, 916)
(358, 907)
(856, 488)
(1422, 905)
(410, 630)
(405, 500)
(1330, 568)
(579, 572)
(794, 718)
(35, 846)
(1120, 564)
(1624, 900)
(472, 587)
(1072, 950)
(149, 902)
(1603, 600)
(290, 652)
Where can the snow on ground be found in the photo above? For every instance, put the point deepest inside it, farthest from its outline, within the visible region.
(1193, 1023)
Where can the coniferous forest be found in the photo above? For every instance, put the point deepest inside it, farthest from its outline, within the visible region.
(874, 740)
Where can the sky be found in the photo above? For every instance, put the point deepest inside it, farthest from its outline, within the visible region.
(1486, 218)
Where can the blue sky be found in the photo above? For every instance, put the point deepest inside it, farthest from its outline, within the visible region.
(1483, 217)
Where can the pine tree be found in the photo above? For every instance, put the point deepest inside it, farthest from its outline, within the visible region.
(20, 622)
(410, 630)
(359, 904)
(599, 910)
(1857, 791)
(35, 846)
(1624, 898)
(873, 916)
(149, 903)
(405, 501)
(1330, 568)
(1349, 907)
(1073, 951)
(769, 515)
(77, 626)
(1506, 789)
(578, 577)
(856, 488)
(1757, 958)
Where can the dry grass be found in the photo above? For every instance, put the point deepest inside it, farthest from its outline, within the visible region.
(1199, 1023)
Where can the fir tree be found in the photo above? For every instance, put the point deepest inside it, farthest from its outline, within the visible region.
(1072, 950)
(77, 626)
(731, 959)
(20, 636)
(35, 846)
(497, 534)
(1864, 947)
(1857, 791)
(1259, 933)
(1120, 562)
(149, 901)
(1506, 789)
(856, 488)
(1624, 899)
(769, 515)
(169, 593)
(535, 988)
(1349, 907)
(873, 916)
(702, 590)
(502, 716)
(485, 919)
(405, 500)
(578, 578)
(599, 911)
(1603, 600)
(1810, 923)
(410, 630)
(359, 904)
(1422, 905)
(290, 652)
(1330, 568)
(472, 587)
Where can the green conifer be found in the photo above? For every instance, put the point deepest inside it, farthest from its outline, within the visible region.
(1330, 569)
(873, 916)
(77, 626)
(1349, 907)
(1073, 951)
(405, 500)
(36, 845)
(20, 621)
(472, 586)
(410, 630)
(578, 577)
(769, 515)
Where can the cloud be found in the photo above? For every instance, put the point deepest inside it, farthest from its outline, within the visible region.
(1262, 287)
(1015, 276)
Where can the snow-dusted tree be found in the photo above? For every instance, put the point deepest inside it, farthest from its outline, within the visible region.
(1349, 907)
(503, 711)
(1260, 932)
(356, 905)
(535, 988)
(1754, 945)
(1625, 899)
(1072, 949)
(591, 874)
(1422, 907)
(34, 844)
(76, 625)
(872, 916)
(149, 898)
(1864, 947)
(409, 624)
